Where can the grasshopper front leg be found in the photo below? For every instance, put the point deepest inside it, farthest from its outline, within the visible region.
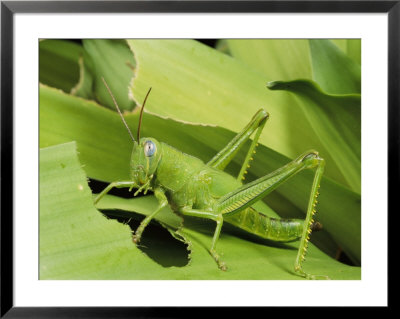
(162, 202)
(120, 184)
(158, 192)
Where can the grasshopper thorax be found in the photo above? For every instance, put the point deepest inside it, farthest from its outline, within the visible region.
(144, 160)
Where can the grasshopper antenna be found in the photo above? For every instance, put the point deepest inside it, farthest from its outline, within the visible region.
(141, 115)
(116, 105)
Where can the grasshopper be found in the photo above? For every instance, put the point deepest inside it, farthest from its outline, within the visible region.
(194, 188)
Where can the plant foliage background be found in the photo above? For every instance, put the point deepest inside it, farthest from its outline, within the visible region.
(202, 96)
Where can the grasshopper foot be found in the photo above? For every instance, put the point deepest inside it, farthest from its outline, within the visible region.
(300, 271)
(221, 264)
(317, 277)
(137, 235)
(135, 239)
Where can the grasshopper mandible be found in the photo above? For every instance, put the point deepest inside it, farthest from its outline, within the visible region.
(194, 188)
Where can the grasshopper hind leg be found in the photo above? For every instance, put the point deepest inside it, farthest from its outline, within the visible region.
(244, 196)
(310, 225)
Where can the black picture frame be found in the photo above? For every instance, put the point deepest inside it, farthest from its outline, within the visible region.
(9, 8)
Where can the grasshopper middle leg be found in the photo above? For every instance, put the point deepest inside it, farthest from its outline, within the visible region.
(218, 218)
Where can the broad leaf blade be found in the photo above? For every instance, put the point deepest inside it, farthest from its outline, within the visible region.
(337, 121)
(276, 59)
(112, 60)
(84, 87)
(352, 47)
(58, 63)
(76, 242)
(333, 70)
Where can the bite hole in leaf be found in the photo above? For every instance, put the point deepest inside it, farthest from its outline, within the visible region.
(156, 242)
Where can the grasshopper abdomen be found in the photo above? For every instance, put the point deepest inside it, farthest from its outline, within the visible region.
(276, 229)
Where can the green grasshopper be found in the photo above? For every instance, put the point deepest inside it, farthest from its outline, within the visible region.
(194, 188)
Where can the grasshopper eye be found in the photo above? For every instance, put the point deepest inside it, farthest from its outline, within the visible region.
(149, 148)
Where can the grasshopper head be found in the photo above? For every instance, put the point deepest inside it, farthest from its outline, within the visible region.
(144, 160)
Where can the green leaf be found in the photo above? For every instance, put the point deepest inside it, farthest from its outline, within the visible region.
(337, 121)
(58, 63)
(352, 47)
(105, 154)
(112, 60)
(333, 70)
(276, 59)
(76, 242)
(336, 72)
(84, 87)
